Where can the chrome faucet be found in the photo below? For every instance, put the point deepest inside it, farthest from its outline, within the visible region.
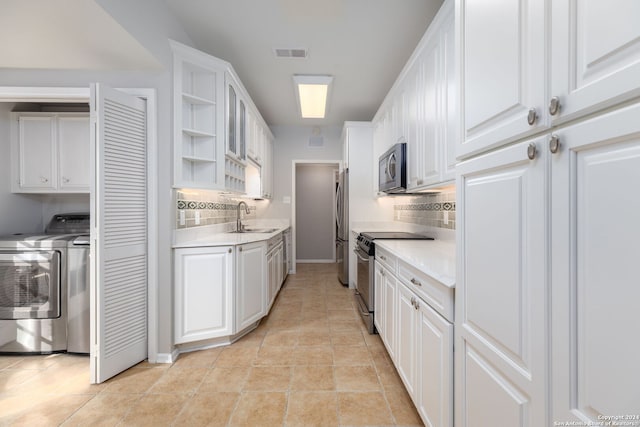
(239, 225)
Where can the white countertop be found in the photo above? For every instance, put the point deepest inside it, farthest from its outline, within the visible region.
(435, 258)
(219, 236)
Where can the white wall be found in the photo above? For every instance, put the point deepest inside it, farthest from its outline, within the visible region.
(292, 143)
(315, 201)
(151, 23)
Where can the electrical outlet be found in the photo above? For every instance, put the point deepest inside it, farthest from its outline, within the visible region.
(182, 217)
(446, 217)
(197, 217)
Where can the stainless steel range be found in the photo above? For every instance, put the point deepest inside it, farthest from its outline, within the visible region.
(366, 251)
(39, 275)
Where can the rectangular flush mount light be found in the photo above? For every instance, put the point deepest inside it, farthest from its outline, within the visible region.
(312, 93)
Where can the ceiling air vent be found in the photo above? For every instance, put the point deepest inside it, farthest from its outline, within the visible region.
(290, 53)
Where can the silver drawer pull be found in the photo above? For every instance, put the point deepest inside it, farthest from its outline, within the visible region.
(415, 282)
(381, 272)
(382, 257)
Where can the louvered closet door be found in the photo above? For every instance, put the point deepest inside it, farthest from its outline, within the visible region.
(119, 232)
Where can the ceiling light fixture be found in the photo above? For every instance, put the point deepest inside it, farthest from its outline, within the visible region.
(312, 94)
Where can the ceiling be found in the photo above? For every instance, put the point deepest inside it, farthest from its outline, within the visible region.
(44, 34)
(363, 44)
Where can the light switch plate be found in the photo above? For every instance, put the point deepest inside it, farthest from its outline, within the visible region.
(182, 217)
(197, 217)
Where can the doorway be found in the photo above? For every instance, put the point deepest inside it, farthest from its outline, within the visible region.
(148, 164)
(314, 211)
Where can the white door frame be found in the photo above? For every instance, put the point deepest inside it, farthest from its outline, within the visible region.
(294, 163)
(82, 94)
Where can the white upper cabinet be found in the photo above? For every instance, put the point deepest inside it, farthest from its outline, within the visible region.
(422, 108)
(73, 148)
(198, 94)
(561, 60)
(50, 152)
(595, 55)
(502, 66)
(216, 125)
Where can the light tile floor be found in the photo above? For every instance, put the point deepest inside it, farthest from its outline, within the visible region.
(309, 363)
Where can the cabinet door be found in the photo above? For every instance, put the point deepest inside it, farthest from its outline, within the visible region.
(449, 104)
(595, 54)
(378, 301)
(267, 168)
(73, 149)
(434, 399)
(37, 152)
(278, 260)
(271, 273)
(389, 292)
(406, 345)
(203, 293)
(251, 284)
(423, 146)
(502, 55)
(595, 322)
(501, 288)
(232, 121)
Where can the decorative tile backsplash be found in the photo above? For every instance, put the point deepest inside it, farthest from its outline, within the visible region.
(213, 207)
(434, 210)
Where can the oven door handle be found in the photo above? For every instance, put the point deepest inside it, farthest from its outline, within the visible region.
(362, 308)
(358, 252)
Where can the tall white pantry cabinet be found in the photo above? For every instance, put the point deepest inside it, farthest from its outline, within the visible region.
(548, 236)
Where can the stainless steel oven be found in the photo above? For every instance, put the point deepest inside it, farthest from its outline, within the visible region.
(364, 287)
(365, 253)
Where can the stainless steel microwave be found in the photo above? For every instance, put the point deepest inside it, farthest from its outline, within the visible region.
(392, 169)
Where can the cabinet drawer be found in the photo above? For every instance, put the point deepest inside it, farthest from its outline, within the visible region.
(434, 293)
(386, 259)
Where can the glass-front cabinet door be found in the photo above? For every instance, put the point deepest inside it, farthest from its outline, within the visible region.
(231, 121)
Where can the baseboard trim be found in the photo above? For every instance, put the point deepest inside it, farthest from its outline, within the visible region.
(167, 357)
(315, 261)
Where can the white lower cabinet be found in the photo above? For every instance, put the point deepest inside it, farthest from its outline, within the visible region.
(419, 341)
(251, 289)
(385, 307)
(406, 351)
(434, 340)
(203, 293)
(275, 260)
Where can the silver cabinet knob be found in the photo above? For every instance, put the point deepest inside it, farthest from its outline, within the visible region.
(66, 180)
(230, 250)
(413, 302)
(532, 116)
(417, 305)
(415, 282)
(381, 272)
(554, 143)
(382, 257)
(554, 106)
(531, 151)
(240, 249)
(44, 180)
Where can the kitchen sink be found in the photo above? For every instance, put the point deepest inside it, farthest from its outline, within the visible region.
(255, 230)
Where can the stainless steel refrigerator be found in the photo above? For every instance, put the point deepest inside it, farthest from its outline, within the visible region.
(342, 227)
